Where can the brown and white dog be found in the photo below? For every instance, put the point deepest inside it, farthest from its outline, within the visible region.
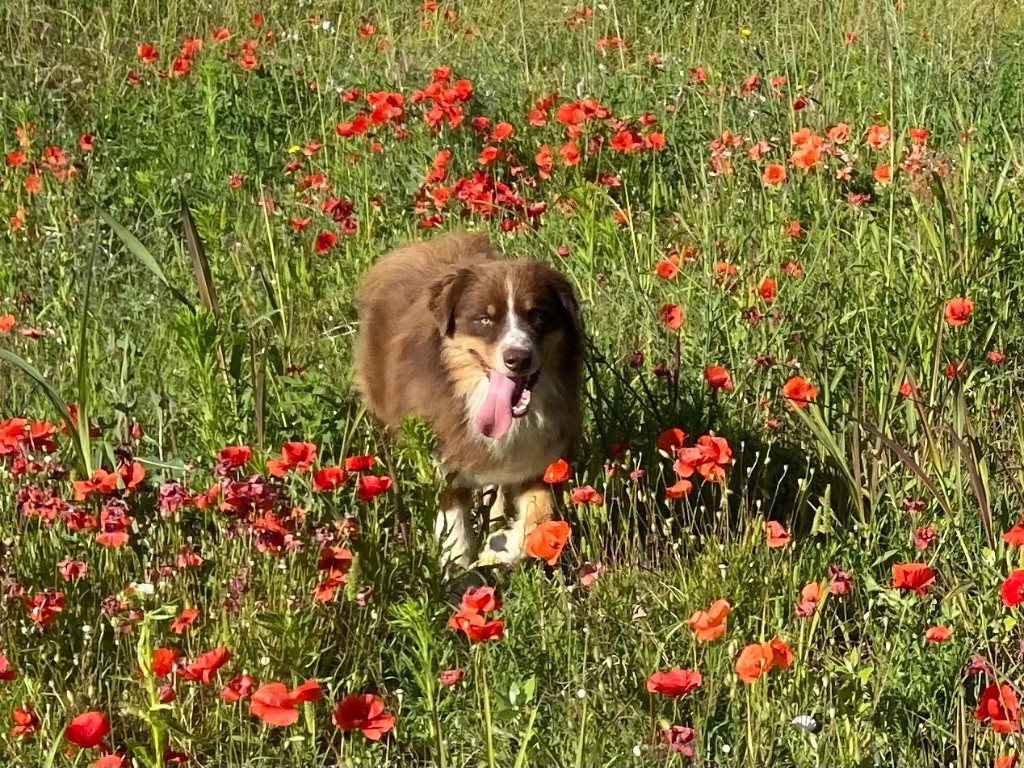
(487, 352)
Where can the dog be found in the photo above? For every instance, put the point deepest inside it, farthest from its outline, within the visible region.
(487, 352)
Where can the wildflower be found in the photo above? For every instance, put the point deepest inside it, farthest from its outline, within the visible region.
(774, 175)
(717, 378)
(915, 577)
(1012, 591)
(998, 706)
(671, 316)
(87, 730)
(938, 634)
(275, 705)
(958, 311)
(365, 713)
(710, 624)
(546, 541)
(775, 535)
(675, 682)
(799, 391)
(557, 472)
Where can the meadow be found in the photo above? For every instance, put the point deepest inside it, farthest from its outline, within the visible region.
(795, 519)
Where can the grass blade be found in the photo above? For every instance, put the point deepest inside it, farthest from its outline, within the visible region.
(55, 399)
(141, 253)
(200, 264)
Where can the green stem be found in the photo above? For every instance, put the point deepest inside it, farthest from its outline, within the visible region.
(486, 695)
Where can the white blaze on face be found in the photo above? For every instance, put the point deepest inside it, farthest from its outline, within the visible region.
(507, 396)
(515, 337)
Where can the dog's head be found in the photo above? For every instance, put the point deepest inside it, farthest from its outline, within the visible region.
(507, 323)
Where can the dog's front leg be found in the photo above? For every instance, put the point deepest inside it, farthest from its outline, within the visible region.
(454, 528)
(533, 507)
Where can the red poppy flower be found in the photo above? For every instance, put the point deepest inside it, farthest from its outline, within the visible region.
(163, 662)
(101, 482)
(363, 712)
(557, 472)
(480, 600)
(670, 441)
(371, 486)
(234, 457)
(275, 705)
(113, 760)
(758, 658)
(671, 316)
(237, 689)
(329, 479)
(147, 53)
(359, 463)
(883, 173)
(44, 606)
(774, 175)
(675, 682)
(718, 378)
(476, 627)
(6, 673)
(775, 535)
(26, 721)
(450, 677)
(585, 494)
(545, 542)
(753, 661)
(998, 706)
(710, 624)
(7, 322)
(810, 596)
(768, 290)
(180, 68)
(72, 570)
(294, 456)
(878, 136)
(87, 730)
(667, 268)
(324, 242)
(915, 577)
(1015, 536)
(958, 311)
(1012, 590)
(185, 621)
(205, 666)
(799, 391)
(938, 634)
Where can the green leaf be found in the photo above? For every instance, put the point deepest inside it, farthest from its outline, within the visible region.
(59, 405)
(141, 253)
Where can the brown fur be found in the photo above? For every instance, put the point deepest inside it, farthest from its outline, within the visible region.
(422, 351)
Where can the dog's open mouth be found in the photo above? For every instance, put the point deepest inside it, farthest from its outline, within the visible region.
(507, 398)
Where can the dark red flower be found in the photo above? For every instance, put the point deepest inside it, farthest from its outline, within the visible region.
(371, 486)
(237, 689)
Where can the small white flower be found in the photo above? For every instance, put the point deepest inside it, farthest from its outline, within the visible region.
(581, 693)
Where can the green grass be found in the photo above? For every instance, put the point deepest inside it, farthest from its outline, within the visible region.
(249, 342)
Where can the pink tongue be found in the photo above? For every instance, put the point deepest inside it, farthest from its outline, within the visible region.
(494, 417)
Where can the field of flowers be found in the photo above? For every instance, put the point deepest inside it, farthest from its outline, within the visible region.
(793, 533)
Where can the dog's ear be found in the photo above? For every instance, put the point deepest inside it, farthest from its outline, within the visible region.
(567, 299)
(444, 298)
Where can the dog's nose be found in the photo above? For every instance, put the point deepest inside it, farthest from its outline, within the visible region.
(517, 359)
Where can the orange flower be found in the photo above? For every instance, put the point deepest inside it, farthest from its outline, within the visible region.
(958, 311)
(710, 624)
(915, 577)
(667, 268)
(773, 175)
(883, 174)
(679, 489)
(557, 472)
(938, 634)
(545, 542)
(753, 662)
(806, 158)
(799, 391)
(670, 441)
(878, 136)
(671, 316)
(839, 133)
(776, 536)
(768, 290)
(718, 378)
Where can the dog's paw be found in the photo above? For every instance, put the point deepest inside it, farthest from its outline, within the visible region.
(502, 548)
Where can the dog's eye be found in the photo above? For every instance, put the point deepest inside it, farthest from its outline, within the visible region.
(485, 320)
(537, 317)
